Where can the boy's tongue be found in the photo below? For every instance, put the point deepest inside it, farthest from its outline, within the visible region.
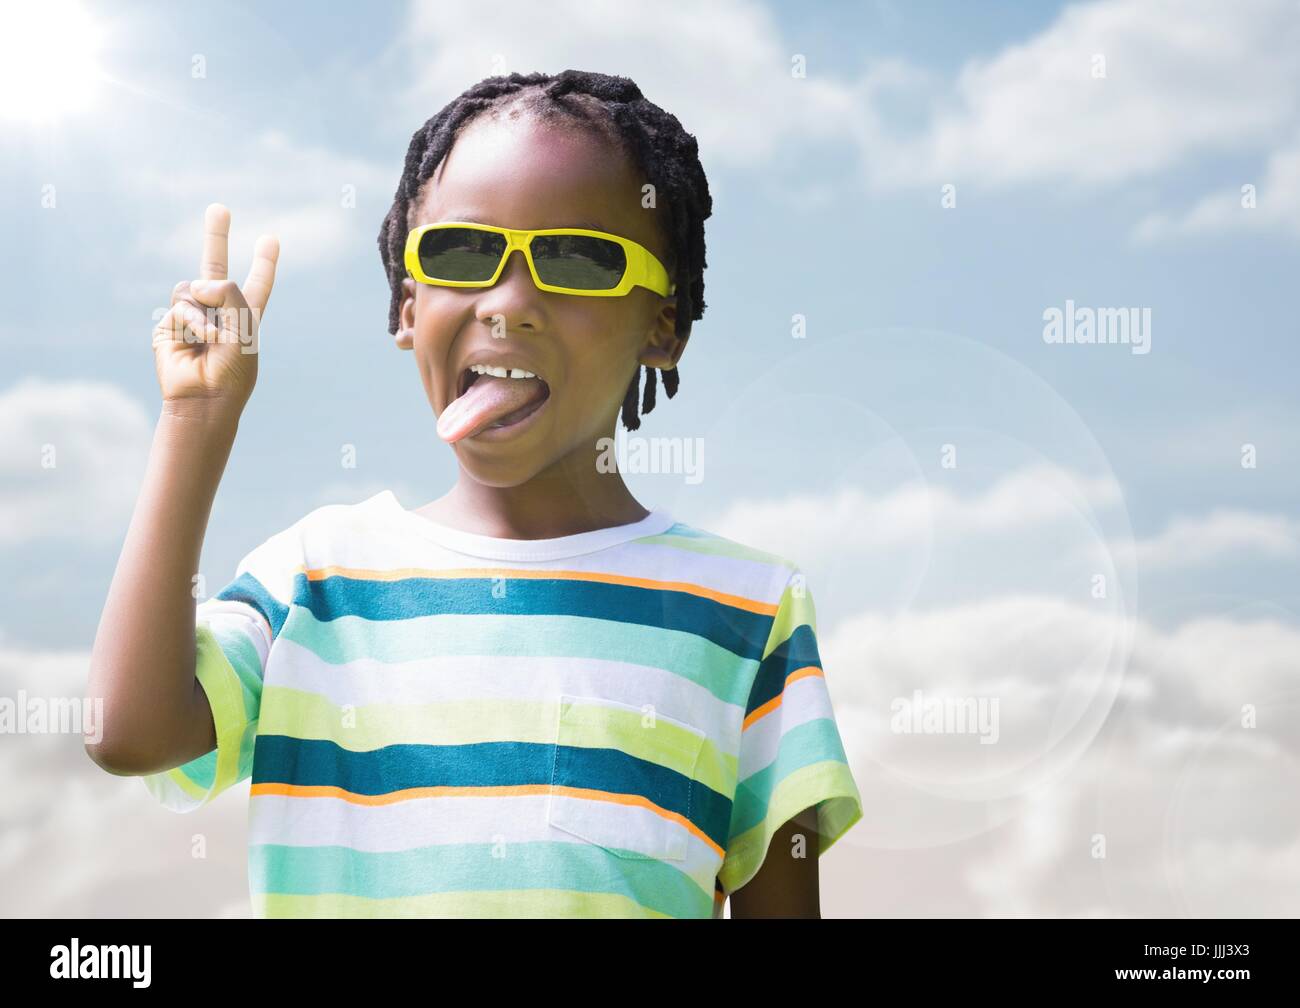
(488, 400)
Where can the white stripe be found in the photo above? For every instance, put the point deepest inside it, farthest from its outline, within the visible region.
(507, 678)
(243, 619)
(803, 700)
(366, 538)
(423, 822)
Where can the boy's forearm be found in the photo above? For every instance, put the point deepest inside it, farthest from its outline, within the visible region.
(142, 663)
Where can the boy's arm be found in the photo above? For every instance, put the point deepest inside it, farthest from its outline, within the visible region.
(786, 885)
(156, 714)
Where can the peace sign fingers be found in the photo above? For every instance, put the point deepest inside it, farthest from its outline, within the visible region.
(216, 243)
(261, 275)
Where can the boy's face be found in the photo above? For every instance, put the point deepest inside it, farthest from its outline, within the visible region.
(520, 174)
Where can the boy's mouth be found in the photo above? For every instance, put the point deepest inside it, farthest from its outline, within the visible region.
(492, 392)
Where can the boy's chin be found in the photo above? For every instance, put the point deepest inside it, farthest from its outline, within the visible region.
(513, 462)
(498, 471)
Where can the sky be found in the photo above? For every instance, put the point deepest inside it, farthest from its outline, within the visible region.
(1103, 536)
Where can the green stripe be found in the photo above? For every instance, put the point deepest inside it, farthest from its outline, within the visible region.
(495, 903)
(474, 869)
(810, 743)
(828, 785)
(794, 611)
(245, 660)
(710, 545)
(180, 777)
(229, 710)
(206, 776)
(350, 638)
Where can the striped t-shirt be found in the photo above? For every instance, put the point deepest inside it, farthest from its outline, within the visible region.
(443, 724)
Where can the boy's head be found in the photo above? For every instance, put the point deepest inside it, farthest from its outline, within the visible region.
(540, 151)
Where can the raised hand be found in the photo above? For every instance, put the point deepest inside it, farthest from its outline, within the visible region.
(205, 347)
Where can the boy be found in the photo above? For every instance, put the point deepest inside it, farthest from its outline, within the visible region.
(532, 696)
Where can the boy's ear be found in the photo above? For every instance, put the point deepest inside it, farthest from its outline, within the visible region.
(663, 347)
(405, 335)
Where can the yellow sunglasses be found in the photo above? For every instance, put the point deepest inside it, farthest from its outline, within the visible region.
(561, 260)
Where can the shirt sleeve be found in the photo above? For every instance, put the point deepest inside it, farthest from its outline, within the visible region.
(791, 756)
(234, 631)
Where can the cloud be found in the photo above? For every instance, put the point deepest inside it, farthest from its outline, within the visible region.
(702, 62)
(71, 460)
(306, 194)
(1210, 666)
(79, 842)
(1154, 822)
(1109, 727)
(1221, 537)
(805, 527)
(1181, 79)
(1054, 667)
(1221, 534)
(1274, 206)
(1267, 429)
(1171, 781)
(1036, 652)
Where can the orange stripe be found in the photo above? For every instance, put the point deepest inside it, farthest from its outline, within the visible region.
(364, 574)
(643, 802)
(451, 791)
(775, 702)
(392, 797)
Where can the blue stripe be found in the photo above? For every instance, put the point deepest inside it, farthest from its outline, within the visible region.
(282, 759)
(616, 771)
(739, 631)
(796, 651)
(249, 590)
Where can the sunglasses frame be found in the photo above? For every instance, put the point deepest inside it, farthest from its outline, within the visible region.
(643, 268)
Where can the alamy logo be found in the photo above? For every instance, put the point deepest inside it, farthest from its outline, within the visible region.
(1099, 325)
(55, 715)
(101, 962)
(944, 714)
(634, 454)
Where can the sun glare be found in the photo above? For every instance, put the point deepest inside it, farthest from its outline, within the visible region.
(49, 55)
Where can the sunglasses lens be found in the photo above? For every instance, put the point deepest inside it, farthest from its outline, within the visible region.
(461, 254)
(579, 261)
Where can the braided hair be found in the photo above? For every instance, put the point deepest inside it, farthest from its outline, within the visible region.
(666, 154)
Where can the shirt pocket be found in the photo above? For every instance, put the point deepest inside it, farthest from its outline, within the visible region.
(623, 778)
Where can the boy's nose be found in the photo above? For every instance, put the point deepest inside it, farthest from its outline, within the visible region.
(514, 298)
(515, 270)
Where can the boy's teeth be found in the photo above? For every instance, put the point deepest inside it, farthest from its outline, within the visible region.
(501, 372)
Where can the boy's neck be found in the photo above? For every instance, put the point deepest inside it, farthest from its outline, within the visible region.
(537, 509)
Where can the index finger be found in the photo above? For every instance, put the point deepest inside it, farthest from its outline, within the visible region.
(261, 275)
(216, 242)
